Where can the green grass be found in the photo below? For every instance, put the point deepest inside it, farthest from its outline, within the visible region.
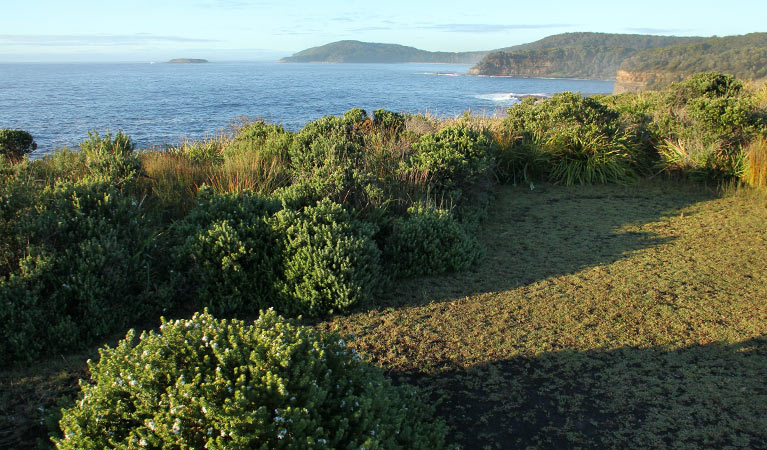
(599, 317)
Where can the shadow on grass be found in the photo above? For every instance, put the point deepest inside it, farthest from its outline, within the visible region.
(552, 231)
(705, 396)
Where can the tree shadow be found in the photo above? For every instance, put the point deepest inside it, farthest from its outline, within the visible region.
(552, 231)
(703, 396)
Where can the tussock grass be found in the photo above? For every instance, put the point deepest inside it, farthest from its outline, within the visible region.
(755, 173)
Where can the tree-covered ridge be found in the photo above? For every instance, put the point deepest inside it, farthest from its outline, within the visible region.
(577, 55)
(610, 40)
(368, 52)
(574, 62)
(743, 56)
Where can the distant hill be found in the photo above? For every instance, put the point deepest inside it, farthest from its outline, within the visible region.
(743, 56)
(368, 52)
(187, 61)
(573, 55)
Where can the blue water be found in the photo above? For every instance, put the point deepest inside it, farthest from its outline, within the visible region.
(160, 104)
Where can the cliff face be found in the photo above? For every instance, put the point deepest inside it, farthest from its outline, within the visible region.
(588, 62)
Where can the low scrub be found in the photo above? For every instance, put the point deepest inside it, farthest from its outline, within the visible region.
(428, 241)
(209, 383)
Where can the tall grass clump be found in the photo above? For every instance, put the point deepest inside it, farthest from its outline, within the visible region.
(210, 383)
(755, 171)
(704, 122)
(570, 139)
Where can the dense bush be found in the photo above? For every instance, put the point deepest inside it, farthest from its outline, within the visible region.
(330, 261)
(85, 262)
(15, 144)
(454, 160)
(111, 158)
(575, 139)
(390, 121)
(704, 122)
(208, 383)
(430, 241)
(235, 255)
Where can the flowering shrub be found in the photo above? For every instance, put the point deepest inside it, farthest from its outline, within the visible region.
(217, 384)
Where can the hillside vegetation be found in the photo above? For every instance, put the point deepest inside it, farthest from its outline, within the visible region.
(574, 55)
(565, 276)
(368, 52)
(744, 57)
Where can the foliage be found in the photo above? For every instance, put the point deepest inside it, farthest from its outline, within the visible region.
(755, 173)
(578, 140)
(15, 144)
(330, 261)
(430, 241)
(390, 121)
(235, 256)
(111, 158)
(209, 383)
(453, 160)
(741, 56)
(85, 261)
(583, 55)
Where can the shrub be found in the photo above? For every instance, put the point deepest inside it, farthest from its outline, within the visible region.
(111, 158)
(15, 144)
(581, 139)
(390, 121)
(454, 159)
(430, 241)
(208, 383)
(331, 262)
(88, 264)
(236, 258)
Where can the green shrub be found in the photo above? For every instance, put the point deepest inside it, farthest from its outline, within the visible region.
(430, 241)
(705, 121)
(208, 151)
(208, 383)
(455, 159)
(15, 144)
(390, 121)
(331, 262)
(235, 255)
(111, 158)
(580, 139)
(88, 262)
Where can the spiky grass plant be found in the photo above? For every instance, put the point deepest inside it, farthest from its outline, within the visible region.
(755, 172)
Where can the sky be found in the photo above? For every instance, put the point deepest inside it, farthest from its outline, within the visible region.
(263, 30)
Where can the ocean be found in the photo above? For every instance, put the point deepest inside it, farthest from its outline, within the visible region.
(159, 104)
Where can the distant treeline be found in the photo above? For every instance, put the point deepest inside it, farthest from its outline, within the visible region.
(576, 55)
(742, 56)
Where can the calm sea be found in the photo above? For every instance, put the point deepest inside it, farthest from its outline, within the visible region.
(160, 104)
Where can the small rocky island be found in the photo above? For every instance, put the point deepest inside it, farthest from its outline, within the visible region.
(187, 61)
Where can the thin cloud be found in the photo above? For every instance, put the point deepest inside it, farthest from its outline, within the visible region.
(115, 40)
(656, 30)
(491, 27)
(232, 4)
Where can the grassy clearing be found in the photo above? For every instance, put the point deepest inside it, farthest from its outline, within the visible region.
(601, 316)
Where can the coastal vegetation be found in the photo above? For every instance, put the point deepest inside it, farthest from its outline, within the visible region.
(572, 55)
(744, 57)
(369, 52)
(567, 275)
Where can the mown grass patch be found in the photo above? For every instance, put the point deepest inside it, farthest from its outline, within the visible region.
(601, 316)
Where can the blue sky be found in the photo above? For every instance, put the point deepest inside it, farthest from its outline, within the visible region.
(219, 30)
